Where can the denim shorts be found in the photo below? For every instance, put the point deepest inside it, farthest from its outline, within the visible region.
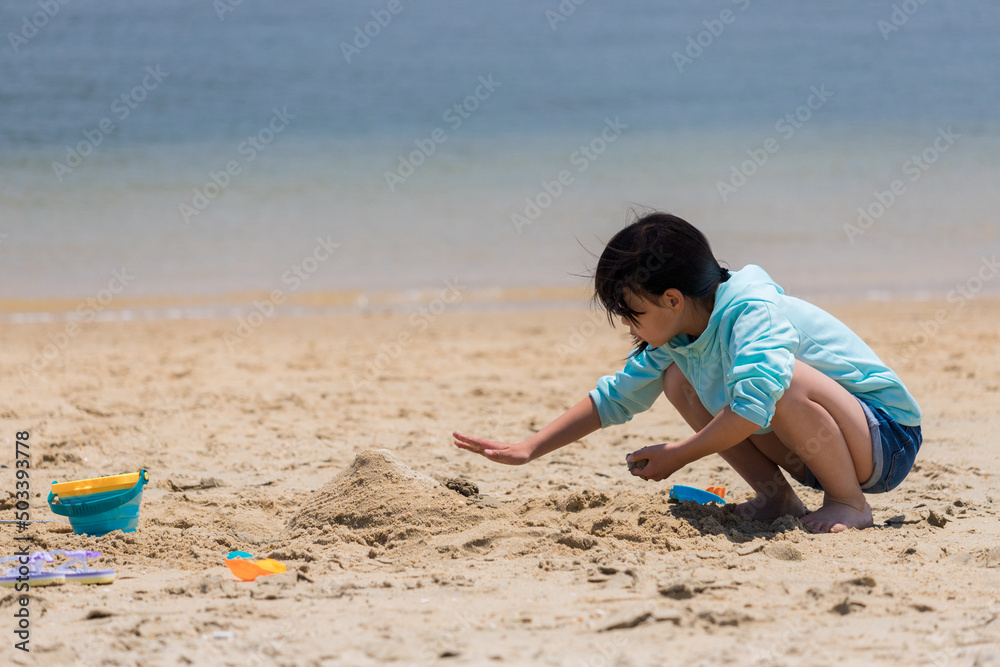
(894, 448)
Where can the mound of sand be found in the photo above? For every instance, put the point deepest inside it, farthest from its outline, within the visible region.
(379, 500)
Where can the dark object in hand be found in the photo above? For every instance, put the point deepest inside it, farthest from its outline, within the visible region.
(637, 465)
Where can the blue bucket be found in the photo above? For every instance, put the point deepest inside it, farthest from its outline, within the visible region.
(100, 513)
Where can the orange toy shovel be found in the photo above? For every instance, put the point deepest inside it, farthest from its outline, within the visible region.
(248, 570)
(717, 490)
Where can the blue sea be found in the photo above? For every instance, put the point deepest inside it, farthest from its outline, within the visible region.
(227, 148)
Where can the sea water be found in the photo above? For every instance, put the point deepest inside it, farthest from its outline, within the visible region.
(205, 148)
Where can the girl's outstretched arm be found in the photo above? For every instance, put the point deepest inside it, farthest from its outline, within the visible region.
(579, 421)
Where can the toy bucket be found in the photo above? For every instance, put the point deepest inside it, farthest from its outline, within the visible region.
(102, 504)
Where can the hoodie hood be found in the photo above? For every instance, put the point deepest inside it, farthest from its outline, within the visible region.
(750, 282)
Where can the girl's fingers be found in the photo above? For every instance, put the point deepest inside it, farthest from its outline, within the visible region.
(636, 455)
(467, 443)
(479, 442)
(494, 451)
(476, 448)
(462, 445)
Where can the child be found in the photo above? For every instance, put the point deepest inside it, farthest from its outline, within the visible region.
(767, 381)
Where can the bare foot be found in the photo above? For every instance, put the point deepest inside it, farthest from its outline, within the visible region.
(768, 508)
(834, 517)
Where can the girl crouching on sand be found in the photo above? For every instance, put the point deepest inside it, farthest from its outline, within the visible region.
(767, 381)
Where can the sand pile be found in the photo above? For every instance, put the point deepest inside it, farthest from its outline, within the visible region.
(378, 500)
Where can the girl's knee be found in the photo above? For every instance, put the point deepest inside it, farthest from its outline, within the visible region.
(809, 386)
(677, 388)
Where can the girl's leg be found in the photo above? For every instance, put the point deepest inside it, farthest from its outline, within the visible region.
(816, 423)
(826, 428)
(756, 460)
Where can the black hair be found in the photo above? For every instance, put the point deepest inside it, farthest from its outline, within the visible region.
(655, 253)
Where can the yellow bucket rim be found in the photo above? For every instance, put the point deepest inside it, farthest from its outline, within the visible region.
(83, 487)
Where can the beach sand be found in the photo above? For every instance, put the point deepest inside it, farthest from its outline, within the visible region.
(302, 444)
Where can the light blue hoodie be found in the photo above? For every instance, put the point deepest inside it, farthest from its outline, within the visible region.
(745, 357)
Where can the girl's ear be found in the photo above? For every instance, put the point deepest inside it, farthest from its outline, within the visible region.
(672, 299)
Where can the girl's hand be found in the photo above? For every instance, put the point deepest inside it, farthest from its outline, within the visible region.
(514, 454)
(663, 461)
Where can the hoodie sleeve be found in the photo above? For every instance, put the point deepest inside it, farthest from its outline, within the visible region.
(629, 391)
(762, 348)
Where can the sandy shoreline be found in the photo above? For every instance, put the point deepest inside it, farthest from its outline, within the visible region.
(565, 561)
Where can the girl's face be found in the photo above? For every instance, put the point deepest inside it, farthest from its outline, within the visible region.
(656, 322)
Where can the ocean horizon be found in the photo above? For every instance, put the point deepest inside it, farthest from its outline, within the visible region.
(368, 154)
